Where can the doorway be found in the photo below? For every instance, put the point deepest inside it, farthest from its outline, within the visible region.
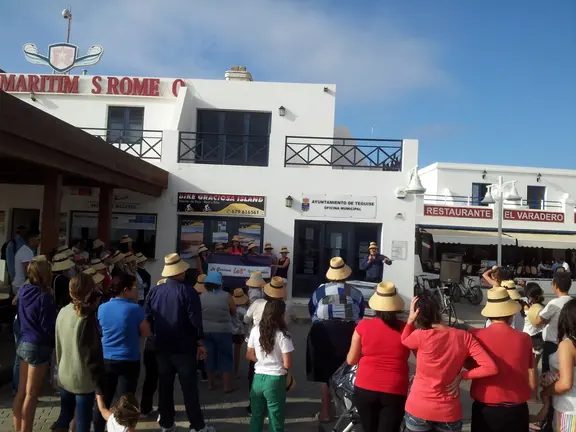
(318, 241)
(27, 217)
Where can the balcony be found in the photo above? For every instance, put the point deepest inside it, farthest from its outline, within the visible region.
(344, 153)
(464, 201)
(144, 144)
(223, 149)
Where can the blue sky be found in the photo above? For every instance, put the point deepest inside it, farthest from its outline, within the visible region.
(475, 81)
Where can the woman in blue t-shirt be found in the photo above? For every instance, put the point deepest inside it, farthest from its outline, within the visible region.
(123, 323)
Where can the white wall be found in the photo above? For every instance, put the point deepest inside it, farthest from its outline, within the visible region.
(309, 112)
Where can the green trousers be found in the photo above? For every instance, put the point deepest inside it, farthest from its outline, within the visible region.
(268, 392)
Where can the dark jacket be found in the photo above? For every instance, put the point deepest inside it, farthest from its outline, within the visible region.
(375, 268)
(37, 315)
(176, 313)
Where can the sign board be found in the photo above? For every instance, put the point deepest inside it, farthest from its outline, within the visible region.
(63, 57)
(96, 85)
(119, 221)
(458, 212)
(339, 206)
(534, 216)
(236, 269)
(399, 250)
(216, 204)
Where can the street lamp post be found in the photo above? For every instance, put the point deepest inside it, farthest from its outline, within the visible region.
(510, 196)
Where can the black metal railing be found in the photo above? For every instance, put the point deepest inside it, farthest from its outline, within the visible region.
(223, 149)
(144, 144)
(344, 153)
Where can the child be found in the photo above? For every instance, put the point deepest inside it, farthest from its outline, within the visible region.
(238, 329)
(270, 346)
(533, 303)
(124, 415)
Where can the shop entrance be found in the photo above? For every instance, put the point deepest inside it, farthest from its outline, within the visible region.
(196, 230)
(318, 241)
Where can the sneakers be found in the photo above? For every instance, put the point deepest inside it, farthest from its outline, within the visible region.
(204, 429)
(170, 429)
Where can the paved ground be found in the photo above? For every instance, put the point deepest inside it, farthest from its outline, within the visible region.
(226, 412)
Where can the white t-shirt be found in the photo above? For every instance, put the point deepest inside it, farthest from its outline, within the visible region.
(273, 363)
(517, 322)
(551, 313)
(113, 426)
(566, 266)
(24, 255)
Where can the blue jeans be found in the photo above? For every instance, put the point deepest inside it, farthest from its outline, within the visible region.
(415, 424)
(16, 369)
(33, 354)
(82, 403)
(220, 352)
(185, 366)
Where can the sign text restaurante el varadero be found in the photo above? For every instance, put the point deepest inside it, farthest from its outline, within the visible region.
(73, 84)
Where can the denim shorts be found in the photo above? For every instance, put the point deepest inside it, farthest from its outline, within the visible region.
(415, 424)
(34, 355)
(220, 352)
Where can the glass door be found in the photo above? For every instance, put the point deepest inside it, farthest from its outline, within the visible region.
(308, 256)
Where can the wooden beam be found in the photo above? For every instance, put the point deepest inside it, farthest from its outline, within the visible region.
(105, 204)
(51, 206)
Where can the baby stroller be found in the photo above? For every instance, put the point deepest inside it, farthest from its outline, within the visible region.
(342, 389)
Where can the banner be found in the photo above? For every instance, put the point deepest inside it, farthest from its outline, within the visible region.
(458, 212)
(230, 205)
(236, 269)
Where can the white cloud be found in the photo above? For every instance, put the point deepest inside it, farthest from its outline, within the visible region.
(369, 58)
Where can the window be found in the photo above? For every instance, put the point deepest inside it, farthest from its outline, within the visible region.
(478, 193)
(125, 125)
(232, 138)
(536, 196)
(140, 227)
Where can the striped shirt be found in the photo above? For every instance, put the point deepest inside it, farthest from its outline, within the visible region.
(330, 301)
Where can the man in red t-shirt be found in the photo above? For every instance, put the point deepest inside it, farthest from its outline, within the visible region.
(500, 401)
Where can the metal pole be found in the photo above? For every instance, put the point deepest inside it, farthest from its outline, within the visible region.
(69, 25)
(500, 217)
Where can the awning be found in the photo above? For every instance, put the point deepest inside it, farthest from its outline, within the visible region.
(469, 237)
(543, 240)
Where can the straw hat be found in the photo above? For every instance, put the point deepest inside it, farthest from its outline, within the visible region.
(534, 312)
(96, 277)
(511, 288)
(219, 246)
(499, 304)
(140, 258)
(64, 249)
(60, 262)
(200, 284)
(129, 257)
(236, 238)
(276, 288)
(284, 250)
(97, 244)
(40, 258)
(251, 246)
(96, 264)
(173, 265)
(338, 270)
(386, 298)
(161, 281)
(117, 257)
(239, 297)
(373, 245)
(290, 382)
(125, 239)
(256, 280)
(268, 246)
(69, 253)
(202, 248)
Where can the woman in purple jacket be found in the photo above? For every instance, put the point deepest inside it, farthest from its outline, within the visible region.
(37, 315)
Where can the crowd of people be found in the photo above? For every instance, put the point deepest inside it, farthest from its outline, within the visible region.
(81, 315)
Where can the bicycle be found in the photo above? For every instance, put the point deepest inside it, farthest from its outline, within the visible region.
(467, 289)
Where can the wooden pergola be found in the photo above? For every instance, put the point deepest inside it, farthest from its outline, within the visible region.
(38, 148)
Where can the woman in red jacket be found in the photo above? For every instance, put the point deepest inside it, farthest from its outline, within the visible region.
(434, 400)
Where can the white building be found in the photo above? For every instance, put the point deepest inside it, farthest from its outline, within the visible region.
(453, 213)
(235, 141)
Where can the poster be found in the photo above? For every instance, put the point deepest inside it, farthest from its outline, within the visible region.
(250, 233)
(214, 204)
(399, 250)
(339, 206)
(191, 236)
(220, 237)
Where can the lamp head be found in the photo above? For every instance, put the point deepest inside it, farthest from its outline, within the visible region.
(415, 186)
(488, 198)
(513, 195)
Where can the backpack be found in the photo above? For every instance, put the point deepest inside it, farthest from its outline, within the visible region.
(4, 249)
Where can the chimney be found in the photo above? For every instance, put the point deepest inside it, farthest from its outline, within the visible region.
(238, 73)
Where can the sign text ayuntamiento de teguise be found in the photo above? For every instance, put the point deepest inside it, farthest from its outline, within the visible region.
(70, 84)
